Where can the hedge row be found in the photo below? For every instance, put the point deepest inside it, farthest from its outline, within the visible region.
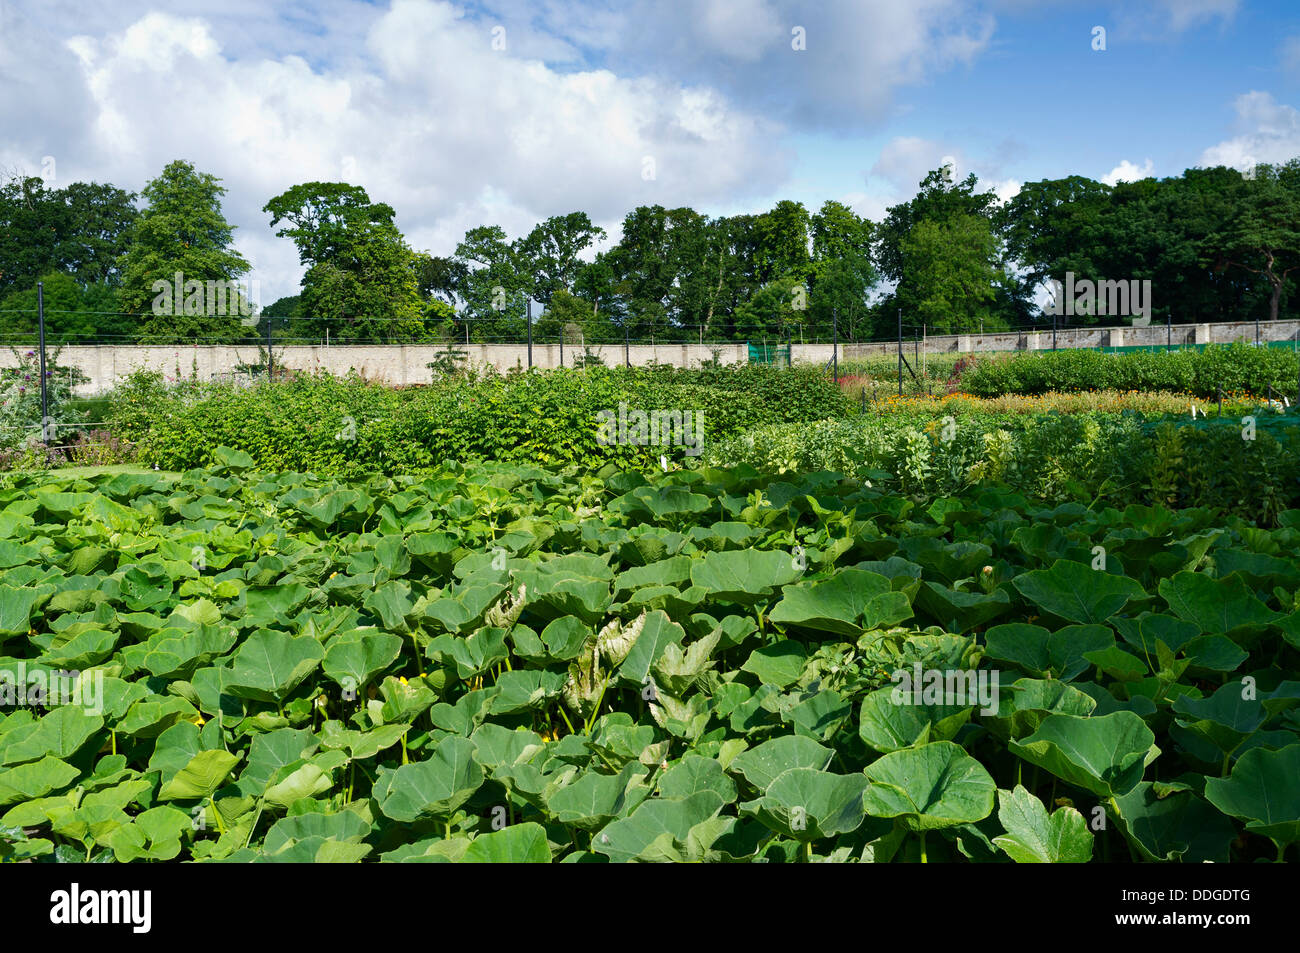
(1247, 466)
(335, 425)
(1235, 368)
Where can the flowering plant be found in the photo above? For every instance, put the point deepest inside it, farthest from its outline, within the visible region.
(20, 397)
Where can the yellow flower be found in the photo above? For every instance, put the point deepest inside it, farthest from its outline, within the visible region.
(198, 720)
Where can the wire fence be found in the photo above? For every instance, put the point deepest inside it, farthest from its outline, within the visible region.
(919, 360)
(468, 330)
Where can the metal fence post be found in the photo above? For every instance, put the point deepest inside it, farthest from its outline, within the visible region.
(40, 321)
(835, 341)
(529, 314)
(900, 352)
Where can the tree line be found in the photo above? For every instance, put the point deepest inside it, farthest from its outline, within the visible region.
(1216, 244)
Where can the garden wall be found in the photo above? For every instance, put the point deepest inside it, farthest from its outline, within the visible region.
(104, 365)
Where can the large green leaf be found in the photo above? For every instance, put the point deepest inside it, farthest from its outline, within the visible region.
(744, 575)
(1077, 592)
(935, 785)
(807, 805)
(761, 765)
(270, 664)
(1035, 837)
(625, 839)
(431, 788)
(846, 604)
(518, 844)
(1106, 754)
(353, 658)
(890, 723)
(958, 610)
(201, 777)
(1264, 791)
(60, 733)
(1175, 826)
(1217, 606)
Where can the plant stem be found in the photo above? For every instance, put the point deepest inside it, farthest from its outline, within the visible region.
(419, 665)
(256, 817)
(596, 711)
(221, 827)
(566, 720)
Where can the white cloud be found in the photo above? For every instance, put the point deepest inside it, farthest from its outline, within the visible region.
(1183, 14)
(1127, 172)
(410, 101)
(1006, 189)
(1268, 131)
(906, 160)
(436, 123)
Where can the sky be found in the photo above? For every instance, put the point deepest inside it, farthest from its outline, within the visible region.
(506, 112)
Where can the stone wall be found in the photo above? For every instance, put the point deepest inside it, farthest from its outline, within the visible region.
(105, 365)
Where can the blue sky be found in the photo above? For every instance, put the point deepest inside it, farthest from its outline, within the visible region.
(507, 111)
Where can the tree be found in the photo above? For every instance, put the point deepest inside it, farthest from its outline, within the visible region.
(99, 219)
(566, 315)
(951, 267)
(82, 229)
(1263, 235)
(495, 287)
(595, 283)
(439, 277)
(549, 253)
(951, 209)
(773, 312)
(843, 274)
(31, 223)
(362, 278)
(939, 199)
(73, 314)
(289, 307)
(783, 243)
(1051, 227)
(181, 231)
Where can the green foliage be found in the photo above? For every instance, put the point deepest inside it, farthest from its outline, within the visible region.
(20, 399)
(181, 231)
(1089, 457)
(80, 231)
(362, 278)
(1235, 369)
(550, 418)
(500, 663)
(951, 266)
(73, 314)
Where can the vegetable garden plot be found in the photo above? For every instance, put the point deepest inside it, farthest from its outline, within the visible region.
(506, 664)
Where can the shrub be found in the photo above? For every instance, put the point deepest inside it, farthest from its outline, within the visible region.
(1087, 457)
(20, 397)
(343, 425)
(1235, 368)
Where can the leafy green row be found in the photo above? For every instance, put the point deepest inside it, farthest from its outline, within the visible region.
(344, 426)
(1227, 369)
(502, 663)
(1248, 465)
